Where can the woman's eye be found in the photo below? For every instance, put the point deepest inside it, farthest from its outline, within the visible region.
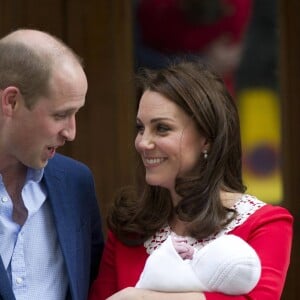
(139, 128)
(162, 128)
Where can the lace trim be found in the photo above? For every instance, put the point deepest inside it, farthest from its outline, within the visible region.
(245, 207)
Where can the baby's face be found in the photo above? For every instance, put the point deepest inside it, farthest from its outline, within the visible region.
(181, 245)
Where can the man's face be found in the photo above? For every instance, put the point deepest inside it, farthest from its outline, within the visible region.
(36, 133)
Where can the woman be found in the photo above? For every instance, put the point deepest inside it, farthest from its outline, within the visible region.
(189, 184)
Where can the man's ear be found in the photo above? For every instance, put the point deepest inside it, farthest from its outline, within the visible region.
(9, 99)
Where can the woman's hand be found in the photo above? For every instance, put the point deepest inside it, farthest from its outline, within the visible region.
(132, 293)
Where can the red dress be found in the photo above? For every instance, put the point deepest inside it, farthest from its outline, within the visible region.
(267, 229)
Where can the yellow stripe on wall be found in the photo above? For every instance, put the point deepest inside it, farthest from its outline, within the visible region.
(259, 110)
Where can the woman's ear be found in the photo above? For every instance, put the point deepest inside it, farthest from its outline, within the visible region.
(206, 145)
(206, 149)
(9, 99)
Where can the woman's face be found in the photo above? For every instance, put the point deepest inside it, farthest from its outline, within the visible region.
(167, 140)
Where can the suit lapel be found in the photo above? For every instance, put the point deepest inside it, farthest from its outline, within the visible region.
(6, 292)
(64, 218)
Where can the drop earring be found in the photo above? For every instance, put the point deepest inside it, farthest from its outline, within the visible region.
(205, 155)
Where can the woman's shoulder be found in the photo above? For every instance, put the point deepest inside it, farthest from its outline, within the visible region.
(250, 209)
(251, 205)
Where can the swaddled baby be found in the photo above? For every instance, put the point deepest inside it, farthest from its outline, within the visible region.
(185, 250)
(227, 264)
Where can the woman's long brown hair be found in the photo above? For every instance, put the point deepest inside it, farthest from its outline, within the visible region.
(138, 212)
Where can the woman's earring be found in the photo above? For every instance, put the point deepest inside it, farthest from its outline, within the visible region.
(205, 154)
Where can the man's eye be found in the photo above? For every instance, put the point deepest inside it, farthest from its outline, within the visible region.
(60, 116)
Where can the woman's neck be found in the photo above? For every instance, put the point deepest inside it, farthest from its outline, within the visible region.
(229, 199)
(175, 197)
(178, 226)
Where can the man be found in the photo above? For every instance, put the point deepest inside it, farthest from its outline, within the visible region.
(50, 229)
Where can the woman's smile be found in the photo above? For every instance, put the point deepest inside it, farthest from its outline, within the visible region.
(153, 161)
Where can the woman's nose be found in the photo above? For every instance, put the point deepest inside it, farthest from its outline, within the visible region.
(145, 142)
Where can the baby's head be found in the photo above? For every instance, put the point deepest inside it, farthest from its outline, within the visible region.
(227, 264)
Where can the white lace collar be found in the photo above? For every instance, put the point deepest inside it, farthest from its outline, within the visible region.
(245, 207)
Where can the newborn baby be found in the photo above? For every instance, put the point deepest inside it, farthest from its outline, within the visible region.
(181, 245)
(227, 264)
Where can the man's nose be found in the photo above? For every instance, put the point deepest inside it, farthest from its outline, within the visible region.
(69, 132)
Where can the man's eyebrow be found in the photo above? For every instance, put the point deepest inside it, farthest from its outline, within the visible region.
(67, 110)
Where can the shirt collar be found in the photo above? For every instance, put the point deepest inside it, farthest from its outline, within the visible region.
(35, 175)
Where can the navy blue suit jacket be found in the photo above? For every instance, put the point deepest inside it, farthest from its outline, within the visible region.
(71, 192)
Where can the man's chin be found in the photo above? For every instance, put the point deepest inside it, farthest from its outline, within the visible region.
(41, 165)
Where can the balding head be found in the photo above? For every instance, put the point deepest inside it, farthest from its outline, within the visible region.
(27, 60)
(42, 43)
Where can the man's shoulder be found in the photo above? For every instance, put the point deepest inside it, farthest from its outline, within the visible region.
(62, 162)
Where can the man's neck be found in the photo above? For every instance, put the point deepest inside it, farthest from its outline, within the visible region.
(13, 173)
(13, 177)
